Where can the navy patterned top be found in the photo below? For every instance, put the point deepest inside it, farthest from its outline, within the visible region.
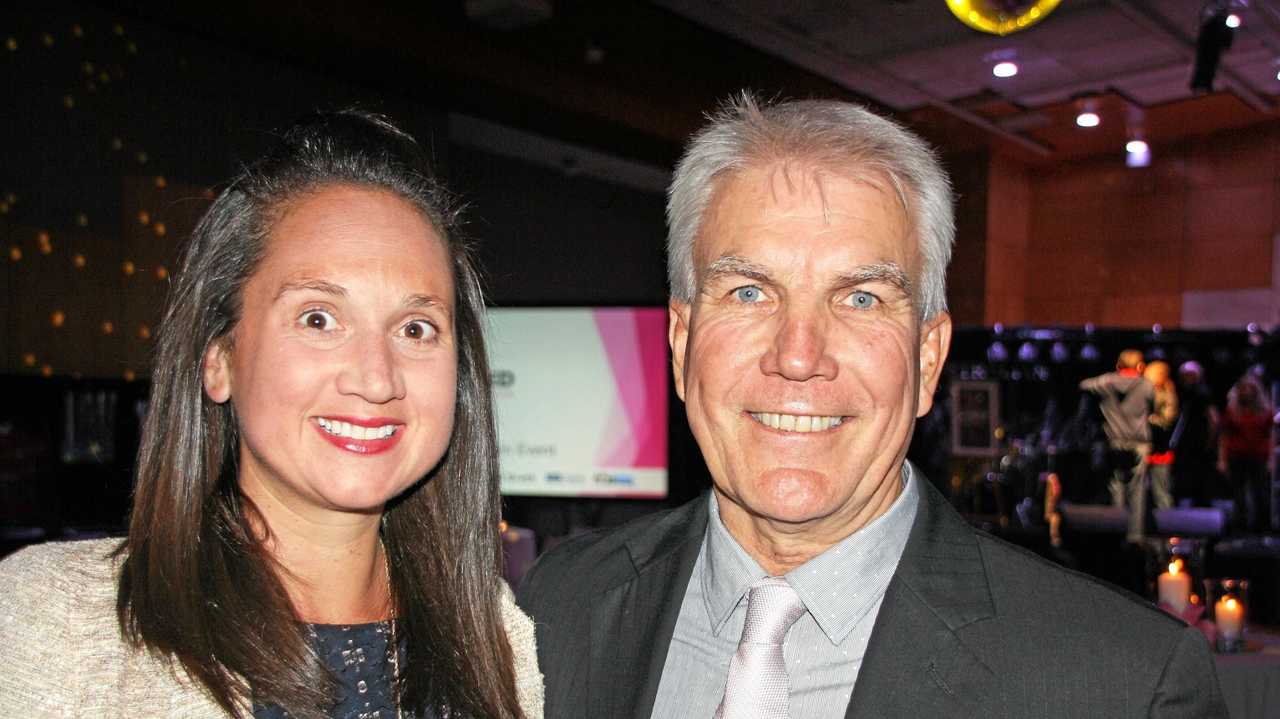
(358, 656)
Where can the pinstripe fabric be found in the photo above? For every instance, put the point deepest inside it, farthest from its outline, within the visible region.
(841, 588)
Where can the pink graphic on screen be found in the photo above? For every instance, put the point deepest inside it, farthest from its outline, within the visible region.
(635, 341)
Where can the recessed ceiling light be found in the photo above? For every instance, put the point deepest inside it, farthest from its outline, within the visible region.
(1233, 21)
(1088, 119)
(1005, 69)
(1136, 146)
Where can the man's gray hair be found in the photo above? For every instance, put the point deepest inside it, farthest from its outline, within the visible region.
(836, 136)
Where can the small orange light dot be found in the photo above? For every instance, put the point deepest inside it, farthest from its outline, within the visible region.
(68, 101)
(128, 267)
(160, 229)
(142, 158)
(11, 43)
(42, 237)
(77, 30)
(46, 249)
(15, 253)
(144, 332)
(161, 182)
(4, 208)
(108, 327)
(79, 261)
(144, 217)
(129, 376)
(82, 219)
(29, 359)
(161, 272)
(46, 371)
(58, 318)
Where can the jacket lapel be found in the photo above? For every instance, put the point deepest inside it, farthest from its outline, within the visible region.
(632, 621)
(916, 663)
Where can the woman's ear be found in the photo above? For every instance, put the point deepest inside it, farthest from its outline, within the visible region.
(217, 371)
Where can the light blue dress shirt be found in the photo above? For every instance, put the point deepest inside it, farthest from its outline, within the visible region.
(841, 588)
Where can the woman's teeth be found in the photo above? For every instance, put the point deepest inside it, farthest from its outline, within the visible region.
(351, 431)
(796, 422)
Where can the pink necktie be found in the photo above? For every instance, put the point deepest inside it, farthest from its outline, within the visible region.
(758, 686)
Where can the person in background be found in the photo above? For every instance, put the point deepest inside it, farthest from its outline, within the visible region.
(314, 529)
(1127, 402)
(824, 576)
(1194, 439)
(1163, 419)
(1244, 452)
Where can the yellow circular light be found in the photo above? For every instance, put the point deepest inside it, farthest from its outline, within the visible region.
(108, 327)
(82, 219)
(129, 267)
(47, 39)
(15, 253)
(11, 43)
(117, 29)
(4, 208)
(29, 359)
(144, 332)
(68, 102)
(161, 182)
(46, 371)
(142, 158)
(160, 229)
(161, 272)
(79, 261)
(1001, 18)
(144, 217)
(129, 376)
(58, 318)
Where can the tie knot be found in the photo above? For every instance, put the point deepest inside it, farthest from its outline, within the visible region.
(772, 607)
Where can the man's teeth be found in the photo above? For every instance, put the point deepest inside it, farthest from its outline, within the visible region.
(796, 422)
(351, 431)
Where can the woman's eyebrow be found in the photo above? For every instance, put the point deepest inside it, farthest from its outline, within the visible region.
(322, 286)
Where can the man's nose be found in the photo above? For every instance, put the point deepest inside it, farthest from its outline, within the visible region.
(372, 372)
(799, 348)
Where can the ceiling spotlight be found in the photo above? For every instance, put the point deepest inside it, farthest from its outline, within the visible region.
(1233, 21)
(1005, 69)
(1088, 119)
(1137, 153)
(1136, 146)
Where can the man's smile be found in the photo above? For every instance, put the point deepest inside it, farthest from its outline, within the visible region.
(798, 423)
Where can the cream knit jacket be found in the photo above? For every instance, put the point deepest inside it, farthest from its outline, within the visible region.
(62, 654)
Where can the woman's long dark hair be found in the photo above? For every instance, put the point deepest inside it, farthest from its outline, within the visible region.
(197, 586)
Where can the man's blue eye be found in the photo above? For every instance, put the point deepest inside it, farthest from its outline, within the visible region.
(862, 300)
(747, 294)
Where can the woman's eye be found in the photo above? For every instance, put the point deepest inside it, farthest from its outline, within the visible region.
(862, 300)
(419, 330)
(318, 320)
(748, 295)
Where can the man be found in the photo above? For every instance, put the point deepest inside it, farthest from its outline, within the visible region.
(1163, 419)
(823, 576)
(1127, 403)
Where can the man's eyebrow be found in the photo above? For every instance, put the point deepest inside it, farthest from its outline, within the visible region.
(321, 286)
(733, 265)
(888, 272)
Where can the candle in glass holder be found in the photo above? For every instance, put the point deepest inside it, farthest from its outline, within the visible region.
(1228, 616)
(1174, 587)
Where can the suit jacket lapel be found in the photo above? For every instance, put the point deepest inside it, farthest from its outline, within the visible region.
(916, 663)
(632, 621)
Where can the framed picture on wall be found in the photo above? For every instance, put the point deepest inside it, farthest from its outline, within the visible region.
(975, 416)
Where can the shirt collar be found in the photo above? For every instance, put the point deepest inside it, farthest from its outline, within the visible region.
(838, 587)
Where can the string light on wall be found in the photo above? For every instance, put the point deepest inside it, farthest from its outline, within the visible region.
(129, 376)
(108, 327)
(29, 359)
(44, 242)
(15, 253)
(161, 272)
(58, 318)
(129, 268)
(79, 261)
(160, 229)
(144, 332)
(144, 217)
(82, 219)
(77, 30)
(11, 43)
(46, 371)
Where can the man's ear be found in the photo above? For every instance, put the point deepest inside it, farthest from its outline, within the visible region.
(217, 371)
(678, 338)
(935, 342)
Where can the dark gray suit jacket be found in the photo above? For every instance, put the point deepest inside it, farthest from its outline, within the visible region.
(970, 627)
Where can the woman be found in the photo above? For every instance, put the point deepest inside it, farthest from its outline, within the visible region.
(1163, 417)
(1244, 452)
(316, 483)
